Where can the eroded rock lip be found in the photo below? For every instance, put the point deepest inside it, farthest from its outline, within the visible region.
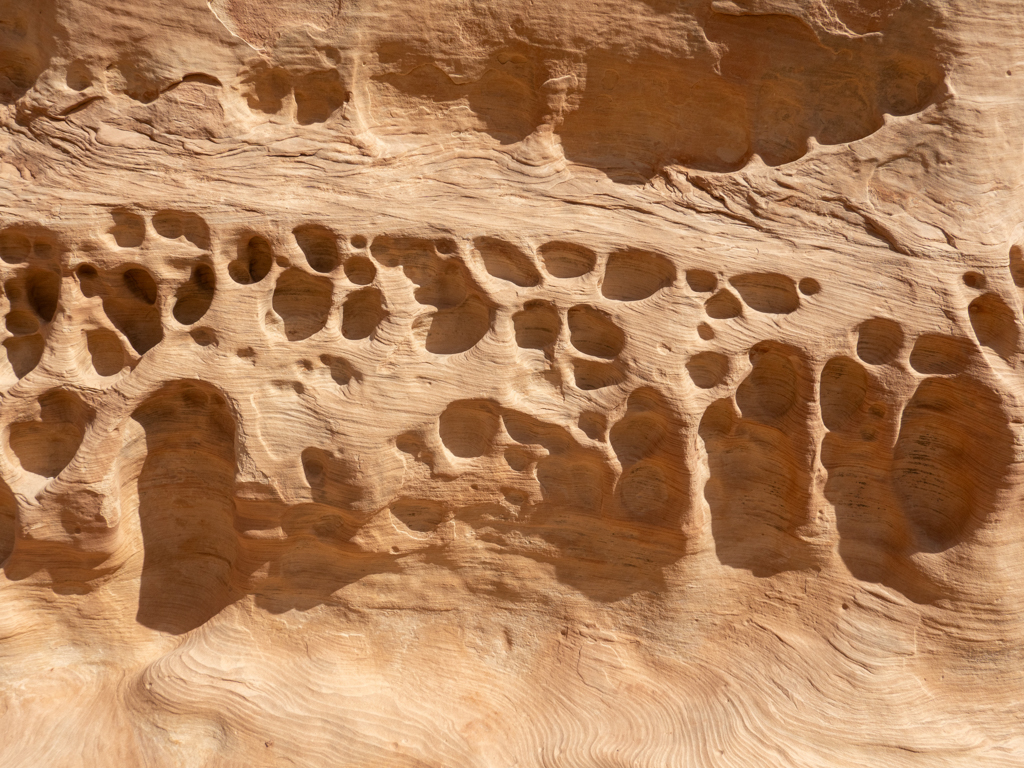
(511, 383)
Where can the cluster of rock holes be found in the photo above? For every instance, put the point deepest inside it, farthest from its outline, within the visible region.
(951, 446)
(629, 275)
(650, 486)
(32, 293)
(765, 292)
(316, 95)
(943, 458)
(129, 293)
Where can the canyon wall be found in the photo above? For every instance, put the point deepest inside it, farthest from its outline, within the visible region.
(543, 384)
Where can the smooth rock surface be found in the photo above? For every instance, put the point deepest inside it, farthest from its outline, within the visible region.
(539, 384)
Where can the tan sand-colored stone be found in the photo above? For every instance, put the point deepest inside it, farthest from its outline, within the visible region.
(540, 384)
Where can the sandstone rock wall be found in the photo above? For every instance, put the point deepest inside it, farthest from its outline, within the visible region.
(539, 384)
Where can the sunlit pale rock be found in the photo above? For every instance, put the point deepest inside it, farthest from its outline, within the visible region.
(585, 384)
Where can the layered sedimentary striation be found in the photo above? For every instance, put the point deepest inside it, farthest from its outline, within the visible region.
(592, 384)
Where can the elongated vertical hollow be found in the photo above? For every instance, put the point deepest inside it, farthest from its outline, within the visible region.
(186, 506)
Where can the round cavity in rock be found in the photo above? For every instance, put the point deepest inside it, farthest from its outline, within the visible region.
(204, 337)
(506, 261)
(767, 292)
(879, 340)
(566, 260)
(254, 262)
(468, 428)
(1017, 265)
(360, 270)
(723, 306)
(319, 245)
(809, 286)
(708, 369)
(633, 275)
(974, 280)
(701, 281)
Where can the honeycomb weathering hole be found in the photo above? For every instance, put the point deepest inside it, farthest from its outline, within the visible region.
(303, 302)
(507, 262)
(254, 262)
(537, 325)
(46, 446)
(179, 224)
(361, 313)
(128, 229)
(775, 294)
(195, 296)
(566, 260)
(844, 385)
(8, 521)
(319, 245)
(468, 429)
(952, 455)
(186, 506)
(879, 340)
(995, 324)
(635, 275)
(594, 333)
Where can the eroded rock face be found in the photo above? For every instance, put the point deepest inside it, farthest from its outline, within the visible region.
(501, 384)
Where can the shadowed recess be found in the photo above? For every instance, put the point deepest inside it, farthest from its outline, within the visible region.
(462, 313)
(8, 521)
(186, 506)
(360, 270)
(15, 247)
(505, 101)
(303, 302)
(995, 324)
(318, 95)
(129, 300)
(254, 262)
(879, 340)
(361, 314)
(701, 281)
(319, 245)
(708, 369)
(566, 260)
(590, 374)
(844, 385)
(536, 325)
(593, 332)
(468, 428)
(766, 292)
(951, 459)
(106, 351)
(342, 371)
(420, 515)
(723, 306)
(760, 466)
(47, 445)
(194, 297)
(857, 454)
(24, 353)
(634, 275)
(935, 354)
(507, 262)
(647, 441)
(128, 229)
(180, 224)
(758, 82)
